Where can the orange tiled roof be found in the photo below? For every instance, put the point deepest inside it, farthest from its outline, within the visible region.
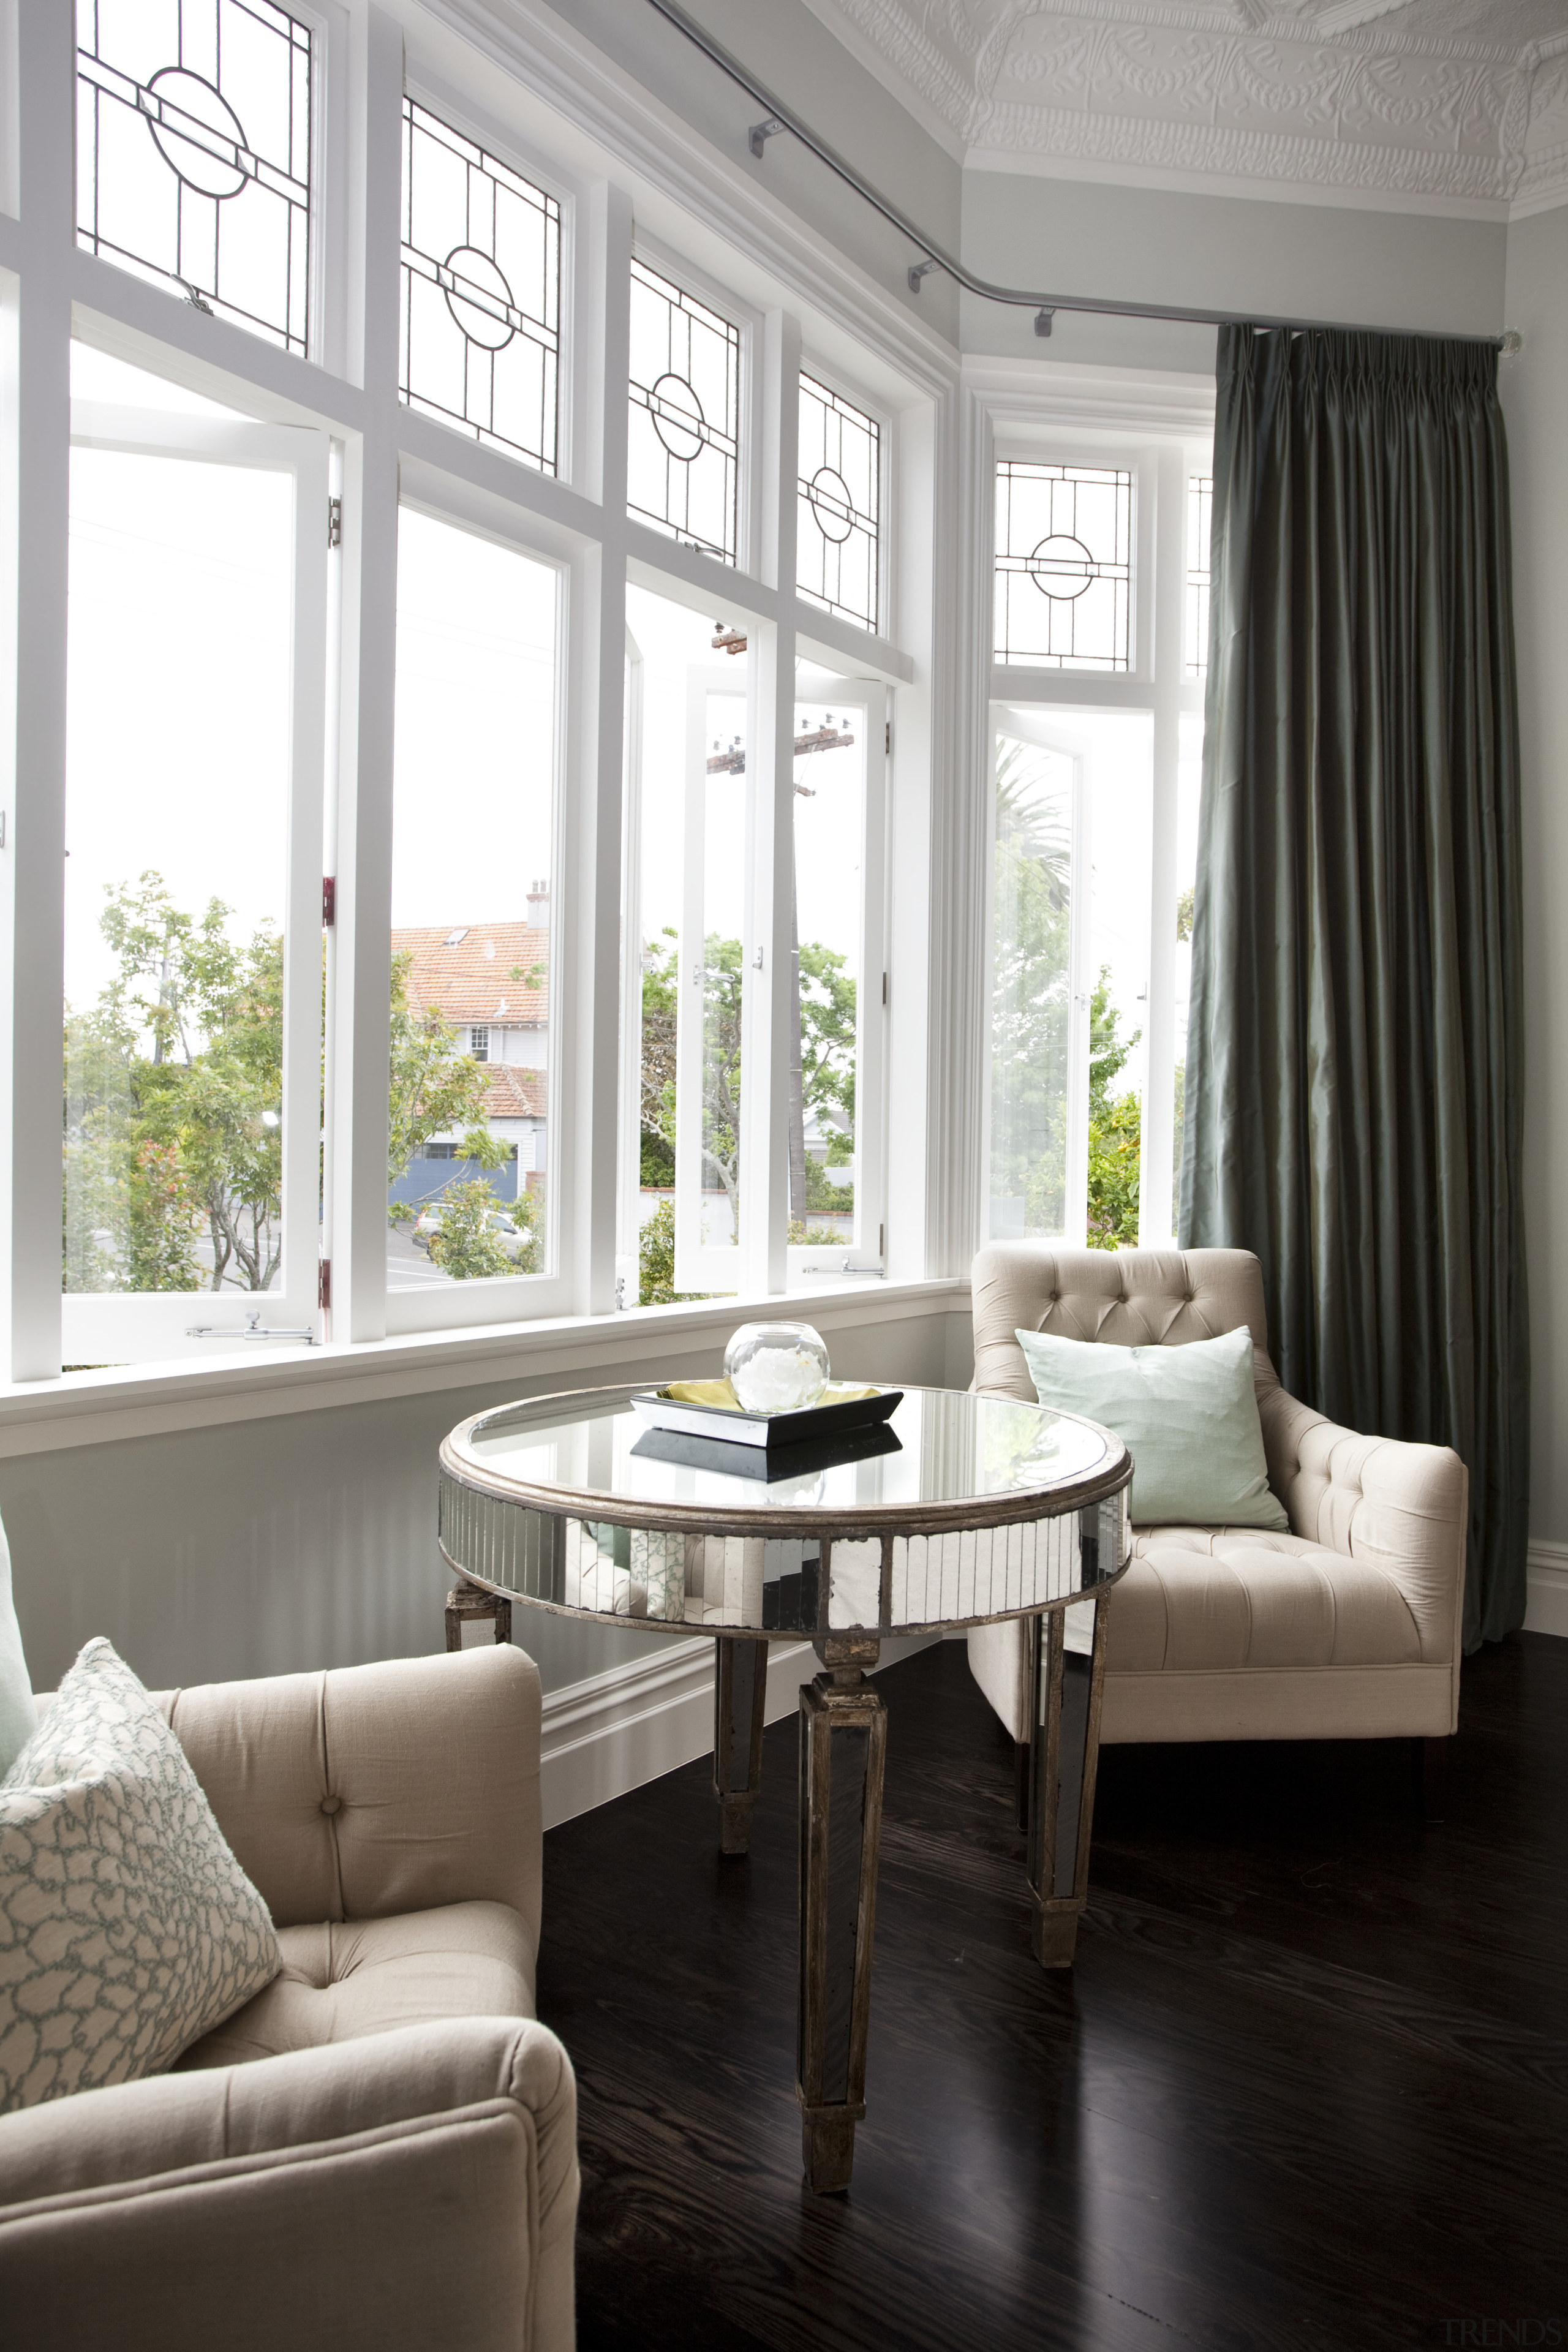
(472, 980)
(513, 1092)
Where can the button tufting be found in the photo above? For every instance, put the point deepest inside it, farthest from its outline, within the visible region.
(330, 1804)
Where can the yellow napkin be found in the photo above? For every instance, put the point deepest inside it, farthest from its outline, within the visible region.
(720, 1394)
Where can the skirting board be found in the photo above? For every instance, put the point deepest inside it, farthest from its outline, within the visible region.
(1546, 1603)
(617, 1730)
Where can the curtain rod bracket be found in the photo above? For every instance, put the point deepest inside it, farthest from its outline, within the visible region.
(1043, 322)
(760, 133)
(920, 269)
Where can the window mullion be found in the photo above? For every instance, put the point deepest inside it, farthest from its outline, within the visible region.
(359, 945)
(591, 849)
(37, 498)
(770, 989)
(1155, 1181)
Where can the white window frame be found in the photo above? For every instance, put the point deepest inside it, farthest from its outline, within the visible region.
(1160, 426)
(99, 1326)
(533, 92)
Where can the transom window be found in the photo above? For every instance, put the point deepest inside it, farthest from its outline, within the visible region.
(1064, 565)
(193, 153)
(837, 530)
(683, 454)
(480, 333)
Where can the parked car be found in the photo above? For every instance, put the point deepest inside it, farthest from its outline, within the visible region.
(431, 1217)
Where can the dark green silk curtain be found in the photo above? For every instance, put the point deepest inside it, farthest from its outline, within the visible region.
(1355, 1048)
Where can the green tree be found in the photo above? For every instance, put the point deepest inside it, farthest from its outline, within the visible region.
(466, 1244)
(172, 1114)
(656, 1262)
(660, 976)
(1115, 1127)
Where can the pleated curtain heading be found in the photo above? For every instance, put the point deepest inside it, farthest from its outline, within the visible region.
(1354, 1058)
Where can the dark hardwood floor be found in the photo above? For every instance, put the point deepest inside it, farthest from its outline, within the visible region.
(1306, 2087)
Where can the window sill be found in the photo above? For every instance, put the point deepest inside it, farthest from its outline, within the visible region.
(96, 1408)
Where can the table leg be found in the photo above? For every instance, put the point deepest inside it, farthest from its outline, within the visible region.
(740, 1696)
(843, 1748)
(1066, 1685)
(468, 1600)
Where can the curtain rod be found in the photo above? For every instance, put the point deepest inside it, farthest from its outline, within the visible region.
(780, 117)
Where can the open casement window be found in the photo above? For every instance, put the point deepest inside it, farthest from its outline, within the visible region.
(830, 1103)
(1040, 979)
(193, 944)
(837, 1014)
(715, 946)
(473, 1199)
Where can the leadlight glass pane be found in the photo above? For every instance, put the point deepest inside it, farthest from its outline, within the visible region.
(479, 340)
(684, 437)
(1064, 565)
(1200, 506)
(839, 504)
(194, 152)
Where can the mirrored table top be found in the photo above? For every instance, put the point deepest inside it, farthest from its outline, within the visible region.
(978, 1508)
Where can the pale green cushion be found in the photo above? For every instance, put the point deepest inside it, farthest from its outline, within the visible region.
(1187, 1415)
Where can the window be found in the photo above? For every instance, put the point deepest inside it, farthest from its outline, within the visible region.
(350, 1041)
(683, 458)
(192, 975)
(1064, 565)
(1200, 507)
(1094, 817)
(838, 544)
(700, 984)
(474, 799)
(480, 333)
(193, 153)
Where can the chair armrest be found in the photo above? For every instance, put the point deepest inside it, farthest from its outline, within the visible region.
(373, 1790)
(411, 2189)
(1396, 1506)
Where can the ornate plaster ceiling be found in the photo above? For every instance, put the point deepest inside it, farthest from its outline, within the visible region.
(1459, 104)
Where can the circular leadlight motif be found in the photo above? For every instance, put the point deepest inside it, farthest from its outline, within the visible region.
(188, 159)
(1062, 567)
(678, 417)
(831, 503)
(478, 321)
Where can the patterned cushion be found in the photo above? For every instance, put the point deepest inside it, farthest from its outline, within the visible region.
(127, 1927)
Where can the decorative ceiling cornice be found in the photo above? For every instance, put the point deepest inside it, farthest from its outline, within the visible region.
(1449, 103)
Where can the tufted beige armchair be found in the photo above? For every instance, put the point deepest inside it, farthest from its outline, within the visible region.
(1347, 1628)
(379, 2152)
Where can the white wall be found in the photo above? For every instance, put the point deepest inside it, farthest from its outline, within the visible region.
(1369, 268)
(1535, 402)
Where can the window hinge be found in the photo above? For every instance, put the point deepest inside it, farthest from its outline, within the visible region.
(884, 988)
(881, 1241)
(329, 901)
(334, 523)
(324, 1283)
(888, 743)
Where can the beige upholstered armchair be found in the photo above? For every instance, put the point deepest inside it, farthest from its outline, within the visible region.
(380, 2150)
(1347, 1628)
